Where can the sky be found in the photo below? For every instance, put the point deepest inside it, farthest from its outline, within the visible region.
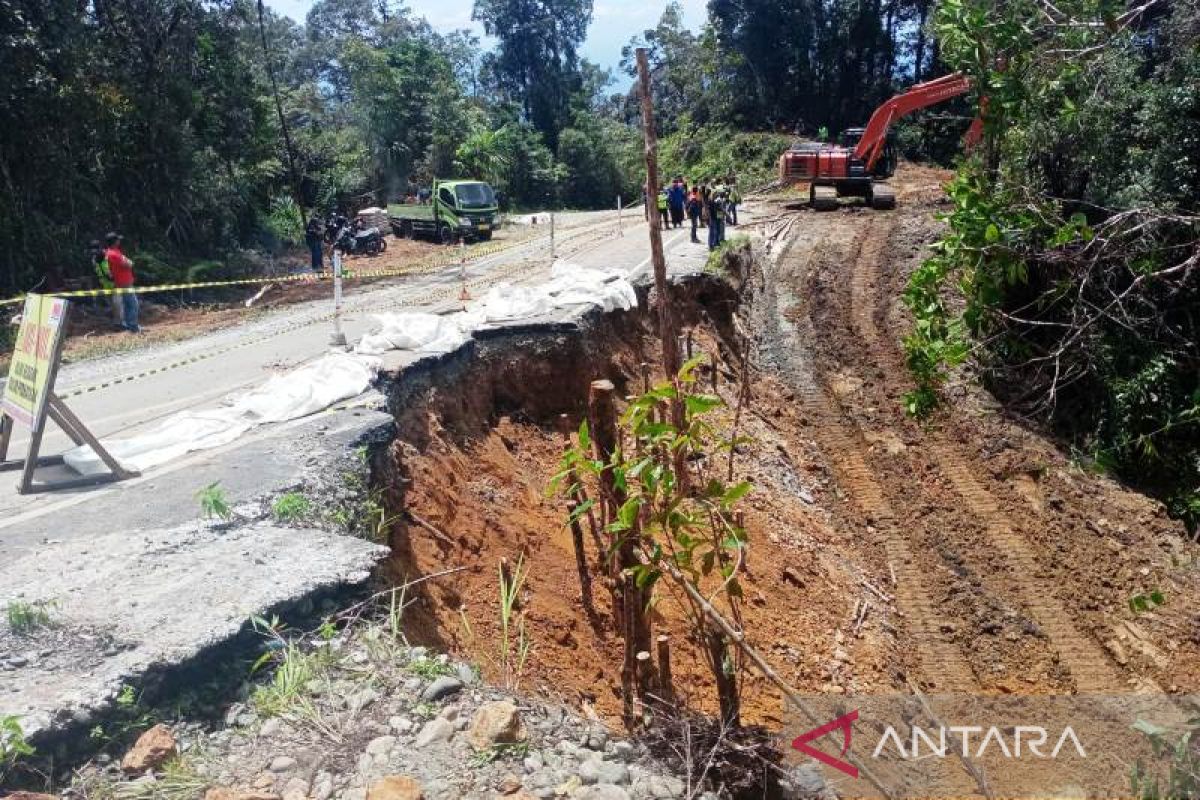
(613, 21)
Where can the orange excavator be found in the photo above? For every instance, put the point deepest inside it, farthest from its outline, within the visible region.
(865, 156)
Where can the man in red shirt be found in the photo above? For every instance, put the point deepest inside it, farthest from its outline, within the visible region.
(121, 268)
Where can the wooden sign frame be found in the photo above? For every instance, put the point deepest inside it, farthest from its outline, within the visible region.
(53, 407)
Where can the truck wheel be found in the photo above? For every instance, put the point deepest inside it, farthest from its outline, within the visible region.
(382, 244)
(406, 230)
(445, 235)
(486, 236)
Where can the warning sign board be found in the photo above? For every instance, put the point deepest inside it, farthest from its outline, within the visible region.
(32, 369)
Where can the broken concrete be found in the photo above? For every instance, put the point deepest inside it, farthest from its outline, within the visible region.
(136, 586)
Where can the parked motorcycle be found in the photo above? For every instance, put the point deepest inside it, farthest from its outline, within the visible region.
(357, 241)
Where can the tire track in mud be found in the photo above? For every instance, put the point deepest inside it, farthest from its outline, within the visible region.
(1087, 662)
(941, 663)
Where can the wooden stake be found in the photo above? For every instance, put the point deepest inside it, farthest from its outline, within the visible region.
(666, 684)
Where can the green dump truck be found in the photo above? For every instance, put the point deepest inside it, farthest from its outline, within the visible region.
(455, 210)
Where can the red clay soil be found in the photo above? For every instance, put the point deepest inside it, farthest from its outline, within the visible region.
(991, 563)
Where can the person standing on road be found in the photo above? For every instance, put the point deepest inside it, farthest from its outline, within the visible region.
(104, 280)
(694, 209)
(677, 198)
(735, 200)
(662, 208)
(312, 238)
(716, 219)
(121, 268)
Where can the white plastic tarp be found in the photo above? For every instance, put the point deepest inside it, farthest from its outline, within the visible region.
(304, 391)
(430, 333)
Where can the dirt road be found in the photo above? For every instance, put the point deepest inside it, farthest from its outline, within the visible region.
(1014, 567)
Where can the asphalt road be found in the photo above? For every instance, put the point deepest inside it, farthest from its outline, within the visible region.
(288, 337)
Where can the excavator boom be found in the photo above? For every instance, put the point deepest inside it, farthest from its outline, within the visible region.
(923, 95)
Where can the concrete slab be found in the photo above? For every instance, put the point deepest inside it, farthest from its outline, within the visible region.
(134, 582)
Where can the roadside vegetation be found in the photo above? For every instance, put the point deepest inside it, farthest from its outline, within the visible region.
(1069, 271)
(206, 131)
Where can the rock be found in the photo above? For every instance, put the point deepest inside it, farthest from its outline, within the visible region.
(363, 699)
(804, 782)
(624, 751)
(665, 787)
(218, 793)
(496, 723)
(282, 764)
(533, 762)
(151, 750)
(395, 787)
(322, 788)
(270, 727)
(436, 730)
(30, 796)
(400, 724)
(597, 770)
(466, 674)
(509, 784)
(441, 687)
(601, 791)
(380, 747)
(596, 739)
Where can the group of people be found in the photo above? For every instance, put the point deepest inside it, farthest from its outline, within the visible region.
(710, 206)
(114, 270)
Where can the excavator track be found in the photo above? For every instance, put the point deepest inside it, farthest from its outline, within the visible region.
(1089, 665)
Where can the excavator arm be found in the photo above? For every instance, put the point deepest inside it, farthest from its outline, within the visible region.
(923, 95)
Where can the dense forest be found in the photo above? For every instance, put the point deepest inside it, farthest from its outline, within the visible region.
(1070, 271)
(200, 127)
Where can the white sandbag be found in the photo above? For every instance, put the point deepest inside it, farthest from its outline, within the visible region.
(429, 333)
(572, 284)
(506, 302)
(311, 388)
(176, 435)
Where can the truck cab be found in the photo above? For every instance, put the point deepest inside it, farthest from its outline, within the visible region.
(456, 210)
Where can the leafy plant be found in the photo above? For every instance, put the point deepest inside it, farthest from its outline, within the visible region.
(428, 668)
(25, 617)
(13, 745)
(1141, 603)
(291, 507)
(213, 503)
(1182, 778)
(677, 514)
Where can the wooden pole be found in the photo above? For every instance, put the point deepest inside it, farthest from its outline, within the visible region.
(666, 321)
(666, 684)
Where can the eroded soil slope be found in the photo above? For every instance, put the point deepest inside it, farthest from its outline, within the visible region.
(989, 561)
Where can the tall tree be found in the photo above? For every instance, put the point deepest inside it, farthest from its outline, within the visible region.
(536, 64)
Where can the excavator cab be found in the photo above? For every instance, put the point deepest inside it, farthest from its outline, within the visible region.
(885, 165)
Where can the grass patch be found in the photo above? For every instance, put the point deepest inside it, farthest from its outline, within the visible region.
(496, 752)
(25, 617)
(291, 507)
(177, 779)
